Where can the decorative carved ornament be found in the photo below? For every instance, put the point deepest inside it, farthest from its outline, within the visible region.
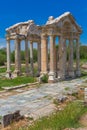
(33, 29)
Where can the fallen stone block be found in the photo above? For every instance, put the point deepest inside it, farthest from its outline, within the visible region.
(6, 120)
(10, 118)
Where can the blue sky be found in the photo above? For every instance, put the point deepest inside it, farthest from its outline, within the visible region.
(13, 11)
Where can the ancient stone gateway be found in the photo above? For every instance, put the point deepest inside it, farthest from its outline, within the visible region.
(65, 28)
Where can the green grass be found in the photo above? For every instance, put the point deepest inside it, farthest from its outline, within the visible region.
(3, 70)
(67, 118)
(16, 81)
(83, 73)
(83, 60)
(67, 88)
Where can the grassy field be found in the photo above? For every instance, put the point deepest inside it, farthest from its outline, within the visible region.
(68, 118)
(16, 81)
(3, 70)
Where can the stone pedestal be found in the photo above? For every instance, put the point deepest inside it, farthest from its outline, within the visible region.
(51, 77)
(71, 74)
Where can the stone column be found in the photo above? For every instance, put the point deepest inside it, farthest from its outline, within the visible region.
(27, 57)
(31, 58)
(62, 58)
(39, 58)
(47, 57)
(78, 73)
(71, 69)
(65, 58)
(17, 71)
(8, 60)
(55, 58)
(44, 55)
(52, 64)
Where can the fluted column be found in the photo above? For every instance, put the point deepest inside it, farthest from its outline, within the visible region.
(27, 57)
(17, 58)
(39, 58)
(31, 58)
(8, 59)
(78, 73)
(62, 58)
(52, 64)
(71, 69)
(55, 58)
(65, 58)
(44, 55)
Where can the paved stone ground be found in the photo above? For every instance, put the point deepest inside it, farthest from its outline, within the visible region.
(36, 102)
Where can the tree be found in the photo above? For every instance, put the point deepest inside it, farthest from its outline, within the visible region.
(2, 56)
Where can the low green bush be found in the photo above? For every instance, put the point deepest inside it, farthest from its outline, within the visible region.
(44, 79)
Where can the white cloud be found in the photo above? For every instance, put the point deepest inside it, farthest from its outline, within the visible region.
(2, 42)
(1, 47)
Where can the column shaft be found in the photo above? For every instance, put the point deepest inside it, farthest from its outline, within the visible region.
(52, 64)
(62, 58)
(17, 57)
(44, 53)
(65, 58)
(52, 47)
(31, 58)
(55, 58)
(71, 69)
(78, 73)
(8, 59)
(27, 57)
(39, 57)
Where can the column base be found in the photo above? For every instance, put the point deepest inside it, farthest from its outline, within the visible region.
(17, 73)
(9, 74)
(32, 74)
(78, 73)
(71, 74)
(43, 73)
(61, 76)
(38, 74)
(51, 78)
(27, 73)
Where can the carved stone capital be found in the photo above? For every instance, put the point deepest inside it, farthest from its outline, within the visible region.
(7, 38)
(43, 36)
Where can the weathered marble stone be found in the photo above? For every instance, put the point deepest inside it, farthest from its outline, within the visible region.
(9, 118)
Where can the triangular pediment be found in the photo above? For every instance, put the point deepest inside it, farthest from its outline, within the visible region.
(66, 17)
